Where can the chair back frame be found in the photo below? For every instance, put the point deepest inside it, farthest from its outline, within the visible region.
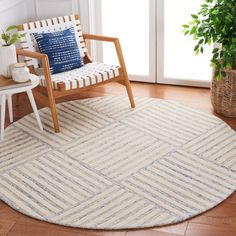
(47, 26)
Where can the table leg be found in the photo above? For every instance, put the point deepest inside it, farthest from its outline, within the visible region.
(17, 99)
(3, 108)
(9, 102)
(33, 104)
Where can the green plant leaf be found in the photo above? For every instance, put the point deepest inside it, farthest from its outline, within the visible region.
(194, 16)
(186, 32)
(10, 37)
(212, 65)
(196, 48)
(5, 37)
(216, 55)
(193, 30)
(229, 65)
(215, 22)
(215, 12)
(209, 41)
(195, 37)
(201, 41)
(215, 50)
(223, 73)
(12, 27)
(218, 77)
(15, 38)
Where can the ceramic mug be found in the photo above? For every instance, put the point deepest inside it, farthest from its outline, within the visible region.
(20, 73)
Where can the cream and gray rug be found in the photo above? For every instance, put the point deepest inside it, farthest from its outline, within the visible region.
(116, 168)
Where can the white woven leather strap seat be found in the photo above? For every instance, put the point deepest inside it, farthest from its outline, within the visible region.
(89, 74)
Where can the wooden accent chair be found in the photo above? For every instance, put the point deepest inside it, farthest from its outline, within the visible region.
(66, 83)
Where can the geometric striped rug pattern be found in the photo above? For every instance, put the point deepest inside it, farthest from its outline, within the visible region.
(113, 167)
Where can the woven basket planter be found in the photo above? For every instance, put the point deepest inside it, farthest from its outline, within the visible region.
(223, 94)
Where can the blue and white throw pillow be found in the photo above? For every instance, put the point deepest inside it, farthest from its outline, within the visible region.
(62, 50)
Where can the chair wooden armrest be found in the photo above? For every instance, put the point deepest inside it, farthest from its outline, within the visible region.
(114, 40)
(37, 55)
(25, 53)
(47, 75)
(120, 56)
(43, 58)
(100, 38)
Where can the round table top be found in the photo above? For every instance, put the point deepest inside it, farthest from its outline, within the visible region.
(19, 88)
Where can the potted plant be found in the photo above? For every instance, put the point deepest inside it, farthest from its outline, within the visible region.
(215, 23)
(8, 50)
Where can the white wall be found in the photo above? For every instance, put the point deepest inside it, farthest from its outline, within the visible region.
(12, 12)
(21, 11)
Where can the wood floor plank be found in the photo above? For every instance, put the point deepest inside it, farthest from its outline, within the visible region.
(223, 210)
(5, 226)
(149, 232)
(216, 221)
(231, 199)
(178, 229)
(28, 226)
(10, 214)
(223, 215)
(45, 229)
(2, 204)
(220, 221)
(195, 229)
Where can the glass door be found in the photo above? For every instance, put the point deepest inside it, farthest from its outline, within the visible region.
(176, 62)
(154, 47)
(133, 22)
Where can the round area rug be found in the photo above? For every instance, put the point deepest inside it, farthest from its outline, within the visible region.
(113, 167)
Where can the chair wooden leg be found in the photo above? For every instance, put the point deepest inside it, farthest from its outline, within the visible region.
(125, 74)
(50, 101)
(129, 91)
(50, 94)
(53, 108)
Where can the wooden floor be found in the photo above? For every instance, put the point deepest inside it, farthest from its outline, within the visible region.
(220, 221)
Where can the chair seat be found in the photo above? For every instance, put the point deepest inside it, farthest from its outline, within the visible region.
(89, 74)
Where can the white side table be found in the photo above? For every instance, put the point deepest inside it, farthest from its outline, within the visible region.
(7, 95)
